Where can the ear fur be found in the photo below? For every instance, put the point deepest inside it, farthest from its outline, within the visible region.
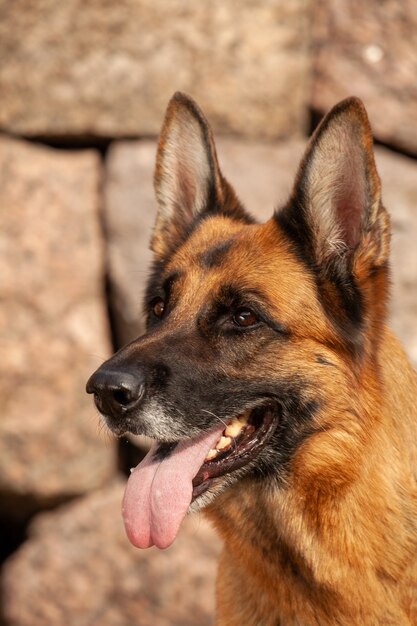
(188, 181)
(335, 209)
(337, 222)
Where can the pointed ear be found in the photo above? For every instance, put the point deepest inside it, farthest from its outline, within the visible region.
(187, 177)
(335, 212)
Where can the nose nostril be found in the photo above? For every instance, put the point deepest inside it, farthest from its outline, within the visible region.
(97, 401)
(122, 396)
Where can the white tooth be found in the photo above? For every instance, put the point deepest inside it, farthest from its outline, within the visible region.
(234, 428)
(211, 454)
(132, 469)
(244, 416)
(223, 443)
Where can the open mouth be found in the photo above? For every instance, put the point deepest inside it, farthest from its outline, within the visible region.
(162, 487)
(241, 440)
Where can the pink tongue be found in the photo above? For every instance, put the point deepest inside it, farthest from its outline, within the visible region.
(158, 493)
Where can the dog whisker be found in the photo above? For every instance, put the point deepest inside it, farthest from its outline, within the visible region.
(220, 420)
(216, 416)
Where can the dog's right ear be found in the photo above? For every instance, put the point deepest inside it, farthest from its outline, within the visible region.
(188, 181)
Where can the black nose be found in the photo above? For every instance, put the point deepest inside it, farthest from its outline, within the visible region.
(116, 391)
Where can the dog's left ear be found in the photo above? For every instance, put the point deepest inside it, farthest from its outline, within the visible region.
(335, 213)
(188, 181)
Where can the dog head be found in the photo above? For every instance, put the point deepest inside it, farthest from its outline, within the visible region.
(253, 331)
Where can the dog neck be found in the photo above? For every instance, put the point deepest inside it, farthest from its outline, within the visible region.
(321, 536)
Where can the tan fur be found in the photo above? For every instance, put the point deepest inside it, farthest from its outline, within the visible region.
(346, 522)
(337, 543)
(283, 323)
(347, 519)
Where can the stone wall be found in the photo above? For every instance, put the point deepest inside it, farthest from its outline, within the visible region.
(83, 90)
(368, 49)
(108, 68)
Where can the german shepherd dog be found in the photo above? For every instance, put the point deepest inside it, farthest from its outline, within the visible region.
(279, 401)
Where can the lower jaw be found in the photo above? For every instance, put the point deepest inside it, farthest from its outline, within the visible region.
(202, 488)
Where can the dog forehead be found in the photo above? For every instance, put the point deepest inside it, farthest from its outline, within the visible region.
(220, 242)
(249, 256)
(208, 242)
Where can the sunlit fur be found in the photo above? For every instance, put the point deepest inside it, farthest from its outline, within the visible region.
(320, 529)
(335, 540)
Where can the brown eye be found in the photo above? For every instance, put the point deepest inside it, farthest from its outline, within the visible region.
(244, 318)
(158, 308)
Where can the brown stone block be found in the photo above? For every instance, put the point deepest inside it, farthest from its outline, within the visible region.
(108, 68)
(78, 569)
(368, 49)
(53, 327)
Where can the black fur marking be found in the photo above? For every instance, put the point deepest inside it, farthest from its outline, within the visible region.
(154, 284)
(292, 220)
(159, 287)
(323, 360)
(164, 450)
(295, 426)
(236, 213)
(214, 256)
(343, 303)
(228, 300)
(336, 288)
(170, 280)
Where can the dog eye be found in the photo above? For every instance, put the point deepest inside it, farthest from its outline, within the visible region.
(244, 318)
(158, 307)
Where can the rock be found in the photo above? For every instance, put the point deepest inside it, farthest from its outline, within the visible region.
(262, 175)
(129, 213)
(78, 569)
(53, 328)
(399, 193)
(369, 50)
(108, 69)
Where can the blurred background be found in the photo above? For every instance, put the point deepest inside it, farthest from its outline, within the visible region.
(83, 89)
